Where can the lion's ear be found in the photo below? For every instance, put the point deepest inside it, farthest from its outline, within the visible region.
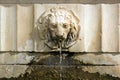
(41, 19)
(75, 28)
(74, 17)
(75, 22)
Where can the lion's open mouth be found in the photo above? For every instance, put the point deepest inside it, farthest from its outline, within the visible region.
(60, 39)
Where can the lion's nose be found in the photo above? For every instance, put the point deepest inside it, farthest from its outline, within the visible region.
(60, 37)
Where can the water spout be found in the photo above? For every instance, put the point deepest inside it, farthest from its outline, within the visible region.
(60, 56)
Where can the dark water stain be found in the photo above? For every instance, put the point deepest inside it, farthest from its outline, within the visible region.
(38, 72)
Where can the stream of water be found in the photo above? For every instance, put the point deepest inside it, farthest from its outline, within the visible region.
(60, 61)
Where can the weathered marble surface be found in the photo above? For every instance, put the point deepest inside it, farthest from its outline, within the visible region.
(99, 27)
(18, 64)
(96, 53)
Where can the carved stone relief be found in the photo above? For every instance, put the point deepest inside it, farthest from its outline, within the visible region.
(58, 26)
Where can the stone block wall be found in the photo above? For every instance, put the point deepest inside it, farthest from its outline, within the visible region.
(94, 57)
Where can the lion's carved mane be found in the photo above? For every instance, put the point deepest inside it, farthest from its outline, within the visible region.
(56, 17)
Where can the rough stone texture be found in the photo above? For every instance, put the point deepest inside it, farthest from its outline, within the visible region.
(2, 58)
(71, 62)
(19, 70)
(72, 66)
(53, 59)
(69, 59)
(9, 58)
(8, 71)
(17, 58)
(98, 58)
(37, 72)
(24, 58)
(73, 59)
(111, 70)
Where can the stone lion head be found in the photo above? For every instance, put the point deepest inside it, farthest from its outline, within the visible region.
(58, 24)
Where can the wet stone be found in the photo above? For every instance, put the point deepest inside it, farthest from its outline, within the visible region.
(37, 72)
(54, 59)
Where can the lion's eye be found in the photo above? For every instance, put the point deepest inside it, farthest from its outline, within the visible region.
(53, 26)
(64, 25)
